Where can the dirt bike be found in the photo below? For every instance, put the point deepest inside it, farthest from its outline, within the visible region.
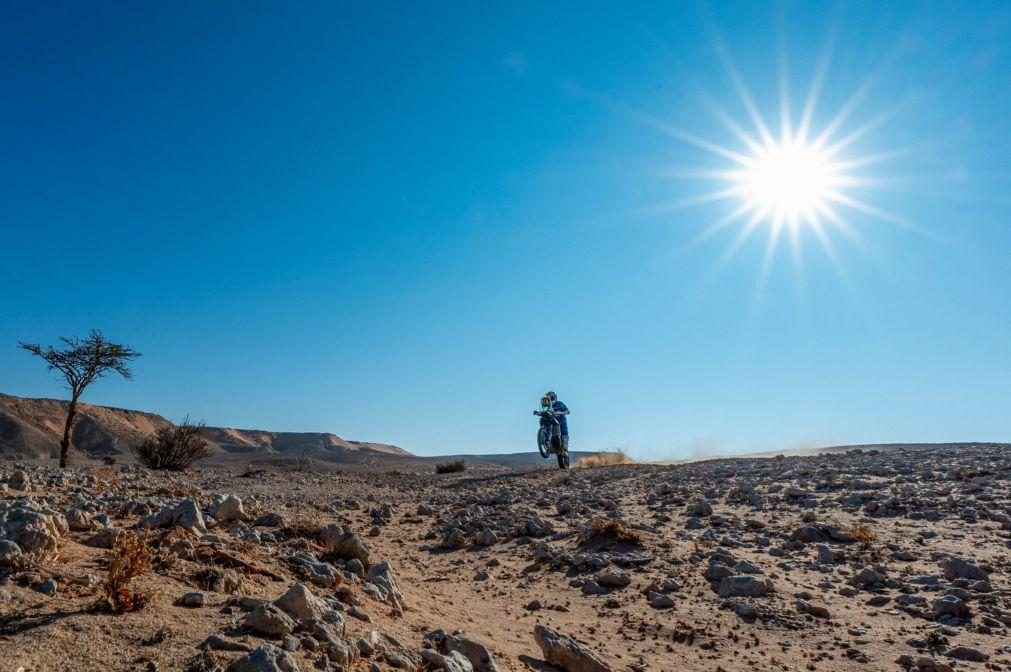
(549, 438)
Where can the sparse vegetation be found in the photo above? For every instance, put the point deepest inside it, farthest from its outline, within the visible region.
(82, 362)
(218, 579)
(303, 462)
(862, 533)
(174, 448)
(109, 460)
(453, 467)
(205, 661)
(868, 550)
(936, 640)
(250, 471)
(611, 529)
(130, 557)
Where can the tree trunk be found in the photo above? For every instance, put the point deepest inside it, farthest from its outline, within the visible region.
(65, 443)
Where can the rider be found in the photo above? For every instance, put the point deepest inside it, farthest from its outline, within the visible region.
(561, 411)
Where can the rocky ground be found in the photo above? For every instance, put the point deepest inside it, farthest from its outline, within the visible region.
(865, 560)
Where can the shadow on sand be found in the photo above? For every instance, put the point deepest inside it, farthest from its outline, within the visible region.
(536, 664)
(21, 621)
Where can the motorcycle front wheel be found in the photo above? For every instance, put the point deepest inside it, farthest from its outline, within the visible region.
(542, 442)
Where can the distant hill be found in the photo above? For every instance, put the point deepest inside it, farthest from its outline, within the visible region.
(259, 441)
(32, 429)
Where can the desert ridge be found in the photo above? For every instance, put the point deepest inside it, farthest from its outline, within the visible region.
(31, 429)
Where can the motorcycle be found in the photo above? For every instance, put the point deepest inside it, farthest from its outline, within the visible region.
(549, 438)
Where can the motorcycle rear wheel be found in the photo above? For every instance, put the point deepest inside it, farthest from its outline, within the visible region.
(563, 460)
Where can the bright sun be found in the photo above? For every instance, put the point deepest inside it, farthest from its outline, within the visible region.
(788, 179)
(795, 178)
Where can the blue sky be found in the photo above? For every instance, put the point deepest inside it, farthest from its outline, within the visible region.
(404, 222)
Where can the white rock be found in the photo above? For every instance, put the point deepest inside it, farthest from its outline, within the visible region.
(228, 507)
(38, 533)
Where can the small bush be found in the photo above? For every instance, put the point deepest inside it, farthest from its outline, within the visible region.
(936, 640)
(609, 528)
(861, 533)
(251, 472)
(130, 557)
(205, 661)
(454, 467)
(303, 462)
(174, 448)
(109, 460)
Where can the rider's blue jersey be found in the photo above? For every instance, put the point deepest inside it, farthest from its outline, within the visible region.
(563, 420)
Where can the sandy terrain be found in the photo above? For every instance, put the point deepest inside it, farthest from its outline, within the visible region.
(876, 560)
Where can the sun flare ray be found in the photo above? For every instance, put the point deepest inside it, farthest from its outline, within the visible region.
(723, 222)
(742, 91)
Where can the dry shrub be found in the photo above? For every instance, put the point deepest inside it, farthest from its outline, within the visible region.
(174, 448)
(104, 472)
(612, 529)
(936, 640)
(105, 479)
(130, 557)
(163, 557)
(454, 467)
(303, 461)
(862, 533)
(604, 459)
(205, 661)
(303, 529)
(218, 579)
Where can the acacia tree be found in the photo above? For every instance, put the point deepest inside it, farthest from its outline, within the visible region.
(82, 362)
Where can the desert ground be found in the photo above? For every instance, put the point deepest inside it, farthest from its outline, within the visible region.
(893, 559)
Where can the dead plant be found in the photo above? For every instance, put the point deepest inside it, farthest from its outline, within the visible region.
(303, 461)
(205, 661)
(454, 467)
(130, 557)
(936, 640)
(862, 533)
(611, 529)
